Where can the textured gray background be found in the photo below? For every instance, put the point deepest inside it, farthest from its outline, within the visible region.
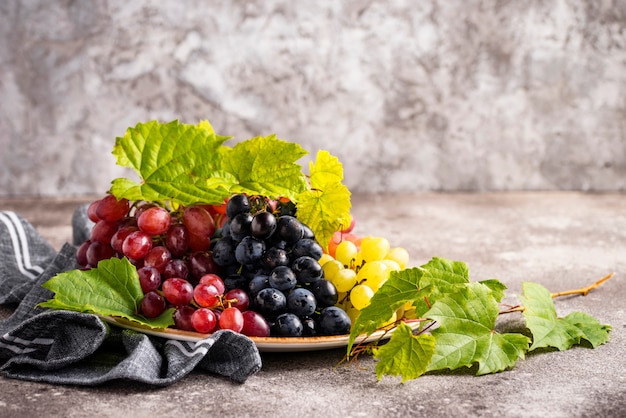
(410, 95)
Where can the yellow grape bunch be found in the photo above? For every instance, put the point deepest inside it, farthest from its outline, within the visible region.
(358, 267)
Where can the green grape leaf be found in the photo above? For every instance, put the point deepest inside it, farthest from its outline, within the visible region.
(497, 288)
(173, 161)
(466, 334)
(442, 276)
(401, 287)
(265, 166)
(325, 206)
(111, 289)
(550, 331)
(592, 331)
(405, 354)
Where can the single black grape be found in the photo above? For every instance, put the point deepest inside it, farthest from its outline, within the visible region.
(258, 282)
(307, 246)
(249, 251)
(310, 328)
(307, 269)
(289, 229)
(237, 204)
(283, 278)
(240, 226)
(275, 257)
(224, 252)
(307, 232)
(287, 325)
(235, 281)
(263, 225)
(270, 302)
(325, 293)
(301, 302)
(334, 321)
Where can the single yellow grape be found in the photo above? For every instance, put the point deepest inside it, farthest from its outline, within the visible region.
(374, 248)
(373, 274)
(346, 253)
(331, 268)
(391, 265)
(360, 296)
(344, 280)
(324, 258)
(399, 255)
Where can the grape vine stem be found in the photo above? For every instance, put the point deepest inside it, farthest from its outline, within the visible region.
(584, 291)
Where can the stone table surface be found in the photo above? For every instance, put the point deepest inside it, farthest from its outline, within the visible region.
(563, 240)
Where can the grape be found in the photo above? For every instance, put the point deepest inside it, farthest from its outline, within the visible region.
(254, 325)
(307, 246)
(334, 321)
(201, 263)
(199, 242)
(215, 280)
(149, 278)
(275, 257)
(231, 318)
(373, 274)
(204, 320)
(91, 211)
(117, 240)
(182, 318)
(263, 225)
(103, 231)
(345, 253)
(307, 269)
(240, 226)
(399, 255)
(198, 221)
(344, 280)
(249, 251)
(309, 326)
(374, 248)
(237, 298)
(224, 252)
(136, 245)
(176, 268)
(257, 283)
(158, 257)
(360, 296)
(177, 291)
(287, 325)
(110, 209)
(270, 302)
(154, 221)
(98, 251)
(177, 240)
(235, 281)
(152, 304)
(81, 253)
(332, 268)
(325, 293)
(206, 295)
(289, 229)
(283, 278)
(237, 204)
(301, 302)
(307, 233)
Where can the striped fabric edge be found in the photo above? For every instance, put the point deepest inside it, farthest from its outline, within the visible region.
(19, 241)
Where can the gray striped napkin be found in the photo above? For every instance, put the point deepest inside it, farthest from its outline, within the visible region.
(75, 348)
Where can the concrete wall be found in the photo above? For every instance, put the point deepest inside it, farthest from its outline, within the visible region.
(410, 95)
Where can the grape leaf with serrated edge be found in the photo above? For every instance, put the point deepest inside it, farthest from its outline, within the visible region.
(265, 166)
(173, 161)
(325, 207)
(111, 289)
(466, 334)
(561, 333)
(405, 354)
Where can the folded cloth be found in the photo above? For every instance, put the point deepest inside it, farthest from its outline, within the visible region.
(67, 347)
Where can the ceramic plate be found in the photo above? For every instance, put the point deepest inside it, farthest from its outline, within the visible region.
(265, 344)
